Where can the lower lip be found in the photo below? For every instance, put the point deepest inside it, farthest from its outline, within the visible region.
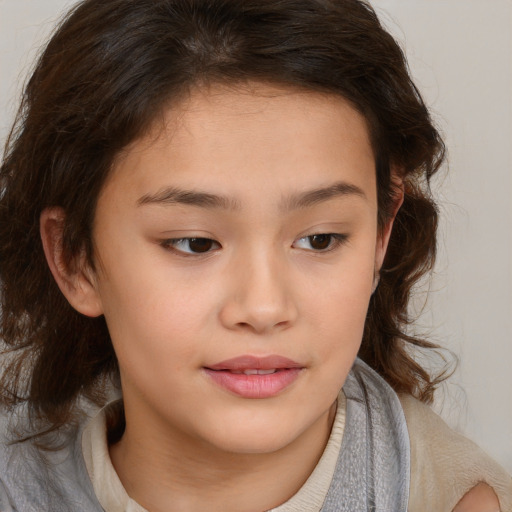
(255, 386)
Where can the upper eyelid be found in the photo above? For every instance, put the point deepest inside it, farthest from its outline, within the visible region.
(300, 237)
(181, 238)
(316, 233)
(170, 243)
(338, 238)
(321, 233)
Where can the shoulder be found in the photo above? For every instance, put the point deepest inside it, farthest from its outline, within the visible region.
(33, 479)
(5, 499)
(480, 498)
(446, 466)
(14, 461)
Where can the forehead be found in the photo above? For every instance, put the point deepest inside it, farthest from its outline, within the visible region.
(227, 138)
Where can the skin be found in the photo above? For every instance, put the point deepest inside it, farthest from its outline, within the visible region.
(261, 288)
(481, 498)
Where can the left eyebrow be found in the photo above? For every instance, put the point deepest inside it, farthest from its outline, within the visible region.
(319, 195)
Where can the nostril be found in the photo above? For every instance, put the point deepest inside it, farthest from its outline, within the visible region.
(261, 303)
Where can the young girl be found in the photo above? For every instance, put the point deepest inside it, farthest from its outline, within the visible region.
(220, 208)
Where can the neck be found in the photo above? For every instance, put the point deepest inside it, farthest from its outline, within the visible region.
(158, 467)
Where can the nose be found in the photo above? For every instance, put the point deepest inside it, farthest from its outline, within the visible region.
(260, 297)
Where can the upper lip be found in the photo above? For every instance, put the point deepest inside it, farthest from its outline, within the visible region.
(257, 363)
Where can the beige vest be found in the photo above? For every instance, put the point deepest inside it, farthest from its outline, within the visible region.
(446, 465)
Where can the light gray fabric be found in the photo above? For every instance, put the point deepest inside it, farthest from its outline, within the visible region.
(33, 480)
(372, 472)
(373, 468)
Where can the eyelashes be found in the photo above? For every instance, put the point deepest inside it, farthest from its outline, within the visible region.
(322, 242)
(197, 246)
(191, 245)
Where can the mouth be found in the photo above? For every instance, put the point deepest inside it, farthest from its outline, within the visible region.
(254, 371)
(255, 377)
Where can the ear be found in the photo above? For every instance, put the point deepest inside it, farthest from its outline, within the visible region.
(76, 281)
(383, 236)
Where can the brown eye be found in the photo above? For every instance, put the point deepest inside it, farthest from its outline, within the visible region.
(200, 244)
(191, 245)
(320, 242)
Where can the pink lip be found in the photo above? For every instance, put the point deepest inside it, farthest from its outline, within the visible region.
(257, 363)
(255, 386)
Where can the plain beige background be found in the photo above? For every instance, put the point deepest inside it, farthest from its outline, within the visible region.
(460, 53)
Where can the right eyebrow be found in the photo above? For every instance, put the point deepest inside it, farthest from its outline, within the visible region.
(174, 195)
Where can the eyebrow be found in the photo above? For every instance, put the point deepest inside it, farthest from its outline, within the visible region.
(174, 195)
(320, 195)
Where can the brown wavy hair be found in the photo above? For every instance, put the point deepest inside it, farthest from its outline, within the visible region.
(108, 71)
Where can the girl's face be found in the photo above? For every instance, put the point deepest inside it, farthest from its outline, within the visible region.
(236, 249)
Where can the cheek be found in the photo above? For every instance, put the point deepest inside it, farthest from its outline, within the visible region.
(340, 326)
(154, 316)
(338, 308)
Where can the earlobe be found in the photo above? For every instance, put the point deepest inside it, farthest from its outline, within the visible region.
(76, 281)
(385, 234)
(376, 280)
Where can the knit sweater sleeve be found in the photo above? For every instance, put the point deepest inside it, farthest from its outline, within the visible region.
(445, 465)
(5, 501)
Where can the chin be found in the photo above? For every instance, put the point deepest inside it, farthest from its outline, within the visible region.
(254, 436)
(259, 443)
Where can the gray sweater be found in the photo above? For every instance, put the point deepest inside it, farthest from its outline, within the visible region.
(372, 471)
